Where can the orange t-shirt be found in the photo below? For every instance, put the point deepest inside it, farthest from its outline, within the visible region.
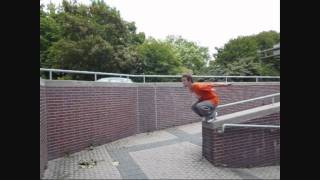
(204, 92)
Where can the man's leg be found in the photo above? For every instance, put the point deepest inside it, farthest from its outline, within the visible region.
(205, 109)
(196, 109)
(213, 115)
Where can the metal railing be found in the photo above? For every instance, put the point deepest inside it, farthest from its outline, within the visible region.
(248, 125)
(249, 100)
(144, 76)
(82, 72)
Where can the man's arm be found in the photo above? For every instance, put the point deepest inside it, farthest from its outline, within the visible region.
(220, 84)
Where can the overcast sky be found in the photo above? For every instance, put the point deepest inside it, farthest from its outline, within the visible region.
(209, 23)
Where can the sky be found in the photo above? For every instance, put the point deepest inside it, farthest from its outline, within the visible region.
(209, 23)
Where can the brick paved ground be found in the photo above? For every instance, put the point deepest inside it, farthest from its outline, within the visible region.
(173, 153)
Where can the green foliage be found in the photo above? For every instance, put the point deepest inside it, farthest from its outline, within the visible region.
(240, 56)
(158, 58)
(95, 38)
(191, 56)
(91, 38)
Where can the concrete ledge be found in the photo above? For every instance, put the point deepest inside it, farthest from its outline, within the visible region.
(243, 116)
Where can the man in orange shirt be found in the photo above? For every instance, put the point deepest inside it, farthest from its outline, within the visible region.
(208, 99)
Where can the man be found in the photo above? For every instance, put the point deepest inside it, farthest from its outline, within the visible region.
(208, 99)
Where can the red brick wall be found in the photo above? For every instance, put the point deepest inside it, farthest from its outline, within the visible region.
(242, 92)
(174, 107)
(244, 147)
(146, 109)
(80, 115)
(43, 131)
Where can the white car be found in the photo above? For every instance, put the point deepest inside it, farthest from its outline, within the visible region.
(115, 80)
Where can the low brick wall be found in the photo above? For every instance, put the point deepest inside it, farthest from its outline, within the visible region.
(80, 113)
(241, 147)
(83, 116)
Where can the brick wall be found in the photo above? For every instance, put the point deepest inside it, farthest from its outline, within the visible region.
(174, 107)
(84, 113)
(82, 116)
(43, 130)
(244, 147)
(146, 109)
(242, 92)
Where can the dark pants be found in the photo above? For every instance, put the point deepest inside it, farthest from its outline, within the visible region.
(204, 109)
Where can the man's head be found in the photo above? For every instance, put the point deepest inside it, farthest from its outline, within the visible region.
(187, 80)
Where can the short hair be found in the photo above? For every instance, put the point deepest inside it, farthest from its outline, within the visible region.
(188, 76)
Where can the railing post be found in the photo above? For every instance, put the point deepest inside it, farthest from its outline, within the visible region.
(256, 79)
(95, 76)
(50, 75)
(226, 79)
(144, 78)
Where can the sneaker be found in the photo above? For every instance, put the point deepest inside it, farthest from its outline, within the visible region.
(210, 120)
(207, 118)
(212, 117)
(215, 115)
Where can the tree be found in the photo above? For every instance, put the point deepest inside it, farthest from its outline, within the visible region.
(91, 38)
(50, 32)
(92, 53)
(158, 58)
(242, 67)
(240, 47)
(240, 56)
(267, 39)
(191, 56)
